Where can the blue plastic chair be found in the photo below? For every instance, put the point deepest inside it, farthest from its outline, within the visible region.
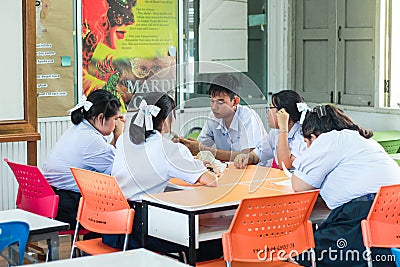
(396, 253)
(12, 232)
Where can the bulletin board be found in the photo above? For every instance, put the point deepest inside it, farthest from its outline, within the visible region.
(18, 113)
(55, 57)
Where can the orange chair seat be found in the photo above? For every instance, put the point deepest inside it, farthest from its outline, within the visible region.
(95, 247)
(221, 263)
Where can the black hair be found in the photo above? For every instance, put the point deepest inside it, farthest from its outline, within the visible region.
(103, 102)
(138, 134)
(226, 84)
(288, 100)
(120, 12)
(332, 118)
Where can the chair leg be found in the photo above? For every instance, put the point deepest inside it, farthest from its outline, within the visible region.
(313, 256)
(76, 237)
(369, 256)
(182, 257)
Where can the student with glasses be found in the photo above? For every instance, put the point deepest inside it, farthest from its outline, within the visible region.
(348, 167)
(230, 127)
(285, 140)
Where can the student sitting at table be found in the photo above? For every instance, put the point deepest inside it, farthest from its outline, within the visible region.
(230, 126)
(145, 161)
(285, 141)
(349, 168)
(83, 146)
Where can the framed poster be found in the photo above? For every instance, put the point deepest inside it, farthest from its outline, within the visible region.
(129, 47)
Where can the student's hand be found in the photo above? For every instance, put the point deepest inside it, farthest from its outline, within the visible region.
(194, 146)
(283, 119)
(175, 137)
(212, 167)
(241, 161)
(118, 130)
(208, 179)
(119, 126)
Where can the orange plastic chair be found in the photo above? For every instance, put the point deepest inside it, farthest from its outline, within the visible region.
(35, 193)
(102, 209)
(267, 230)
(381, 228)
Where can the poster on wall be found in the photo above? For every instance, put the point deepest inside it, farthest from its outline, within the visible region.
(129, 47)
(54, 57)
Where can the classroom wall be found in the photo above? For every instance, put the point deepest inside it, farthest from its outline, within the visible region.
(376, 119)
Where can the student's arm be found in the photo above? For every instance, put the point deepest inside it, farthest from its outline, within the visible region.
(223, 155)
(283, 150)
(299, 185)
(208, 178)
(195, 147)
(242, 160)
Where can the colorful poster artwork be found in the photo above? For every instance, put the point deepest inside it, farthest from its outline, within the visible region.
(55, 57)
(129, 47)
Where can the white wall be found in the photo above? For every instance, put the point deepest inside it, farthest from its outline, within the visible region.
(375, 119)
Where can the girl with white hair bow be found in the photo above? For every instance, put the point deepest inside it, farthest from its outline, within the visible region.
(145, 161)
(285, 141)
(83, 145)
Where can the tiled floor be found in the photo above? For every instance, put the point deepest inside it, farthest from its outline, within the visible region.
(65, 249)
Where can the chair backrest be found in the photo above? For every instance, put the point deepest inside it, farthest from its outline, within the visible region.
(270, 228)
(34, 192)
(194, 132)
(103, 207)
(381, 228)
(12, 232)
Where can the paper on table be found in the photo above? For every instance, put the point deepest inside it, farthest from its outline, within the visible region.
(286, 171)
(287, 182)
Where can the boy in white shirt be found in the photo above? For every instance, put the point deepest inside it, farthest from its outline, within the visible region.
(230, 127)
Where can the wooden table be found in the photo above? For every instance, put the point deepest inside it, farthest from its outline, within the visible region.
(41, 228)
(137, 257)
(183, 217)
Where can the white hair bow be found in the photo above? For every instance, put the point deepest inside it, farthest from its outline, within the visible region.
(144, 116)
(303, 108)
(82, 103)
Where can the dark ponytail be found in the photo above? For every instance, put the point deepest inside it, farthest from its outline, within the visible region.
(332, 118)
(103, 102)
(138, 134)
(288, 100)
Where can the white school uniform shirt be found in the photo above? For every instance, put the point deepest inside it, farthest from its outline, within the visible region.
(81, 146)
(269, 148)
(345, 165)
(245, 131)
(146, 168)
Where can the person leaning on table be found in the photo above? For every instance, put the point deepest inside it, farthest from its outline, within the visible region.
(349, 168)
(83, 145)
(285, 140)
(146, 160)
(230, 127)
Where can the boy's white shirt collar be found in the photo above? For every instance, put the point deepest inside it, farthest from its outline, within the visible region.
(234, 124)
